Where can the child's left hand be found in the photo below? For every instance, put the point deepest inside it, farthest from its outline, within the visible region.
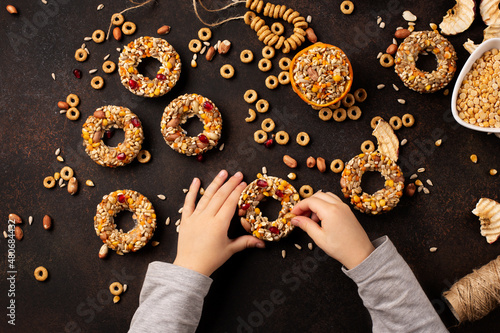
(203, 242)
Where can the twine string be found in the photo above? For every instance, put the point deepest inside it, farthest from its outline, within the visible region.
(233, 3)
(217, 23)
(137, 5)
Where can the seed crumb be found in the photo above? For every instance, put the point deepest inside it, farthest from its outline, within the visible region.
(125, 287)
(155, 243)
(53, 76)
(118, 49)
(92, 71)
(221, 148)
(401, 101)
(5, 234)
(310, 246)
(185, 190)
(298, 246)
(428, 181)
(30, 220)
(381, 86)
(106, 57)
(382, 25)
(379, 20)
(161, 197)
(395, 87)
(58, 151)
(167, 221)
(308, 18)
(414, 176)
(380, 54)
(100, 7)
(433, 26)
(62, 111)
(403, 142)
(446, 92)
(420, 169)
(264, 170)
(283, 253)
(433, 249)
(87, 39)
(177, 229)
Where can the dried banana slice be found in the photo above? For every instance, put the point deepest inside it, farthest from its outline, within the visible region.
(490, 12)
(491, 31)
(388, 143)
(489, 214)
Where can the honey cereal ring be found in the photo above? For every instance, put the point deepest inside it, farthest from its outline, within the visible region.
(382, 200)
(167, 76)
(109, 118)
(300, 37)
(296, 39)
(286, 47)
(73, 100)
(264, 35)
(143, 215)
(408, 120)
(178, 112)
(98, 36)
(262, 29)
(299, 31)
(267, 125)
(386, 60)
(144, 156)
(260, 136)
(360, 95)
(41, 273)
(268, 52)
(251, 116)
(303, 139)
(265, 65)
(395, 123)
(108, 67)
(116, 288)
(431, 42)
(277, 10)
(272, 82)
(292, 16)
(335, 106)
(195, 45)
(67, 173)
(337, 166)
(117, 19)
(97, 82)
(81, 55)
(301, 25)
(262, 106)
(257, 23)
(348, 100)
(325, 114)
(282, 138)
(284, 78)
(367, 146)
(277, 28)
(375, 121)
(279, 43)
(347, 7)
(246, 56)
(268, 38)
(49, 182)
(306, 191)
(248, 3)
(73, 114)
(284, 63)
(227, 71)
(266, 9)
(254, 4)
(204, 34)
(287, 13)
(251, 216)
(250, 96)
(282, 11)
(248, 17)
(260, 6)
(128, 28)
(354, 112)
(339, 115)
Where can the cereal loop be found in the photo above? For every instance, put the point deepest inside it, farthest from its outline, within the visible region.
(306, 191)
(67, 173)
(272, 82)
(408, 120)
(251, 116)
(348, 100)
(205, 34)
(49, 182)
(73, 114)
(227, 71)
(246, 56)
(395, 123)
(81, 55)
(284, 63)
(262, 106)
(194, 46)
(282, 138)
(98, 36)
(260, 136)
(360, 95)
(41, 273)
(375, 121)
(303, 139)
(337, 166)
(250, 96)
(335, 106)
(116, 288)
(128, 28)
(143, 215)
(268, 52)
(284, 78)
(108, 67)
(265, 65)
(386, 60)
(72, 100)
(144, 156)
(277, 28)
(367, 146)
(117, 19)
(339, 115)
(347, 7)
(325, 114)
(97, 82)
(354, 112)
(268, 125)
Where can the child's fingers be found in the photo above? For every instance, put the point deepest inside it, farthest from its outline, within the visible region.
(310, 227)
(245, 242)
(223, 193)
(310, 205)
(190, 200)
(334, 196)
(314, 217)
(211, 190)
(226, 212)
(324, 196)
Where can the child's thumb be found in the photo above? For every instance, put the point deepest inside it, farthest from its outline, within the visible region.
(245, 242)
(312, 228)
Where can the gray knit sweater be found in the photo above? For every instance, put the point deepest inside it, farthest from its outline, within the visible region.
(171, 299)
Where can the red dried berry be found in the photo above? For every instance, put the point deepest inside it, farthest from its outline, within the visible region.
(109, 133)
(261, 183)
(77, 73)
(121, 198)
(279, 193)
(120, 156)
(161, 77)
(199, 158)
(208, 106)
(203, 138)
(132, 84)
(135, 122)
(245, 206)
(269, 143)
(274, 230)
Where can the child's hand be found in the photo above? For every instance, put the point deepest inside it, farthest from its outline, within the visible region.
(203, 243)
(340, 234)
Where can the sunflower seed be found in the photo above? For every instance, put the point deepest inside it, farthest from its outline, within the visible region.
(379, 20)
(221, 148)
(433, 249)
(87, 50)
(420, 169)
(177, 229)
(106, 57)
(58, 151)
(298, 246)
(167, 221)
(283, 253)
(428, 181)
(395, 87)
(195, 57)
(5, 234)
(202, 191)
(44, 2)
(125, 287)
(87, 39)
(381, 86)
(83, 46)
(30, 220)
(155, 243)
(403, 142)
(380, 54)
(53, 76)
(414, 176)
(178, 222)
(203, 50)
(206, 43)
(308, 18)
(394, 41)
(264, 170)
(310, 246)
(63, 111)
(180, 210)
(382, 25)
(118, 49)
(426, 190)
(408, 16)
(61, 182)
(92, 71)
(161, 197)
(420, 188)
(401, 101)
(185, 190)
(101, 6)
(62, 185)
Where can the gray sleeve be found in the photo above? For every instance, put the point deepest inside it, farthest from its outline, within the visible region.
(171, 299)
(392, 294)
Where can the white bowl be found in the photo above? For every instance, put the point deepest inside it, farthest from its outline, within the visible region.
(493, 43)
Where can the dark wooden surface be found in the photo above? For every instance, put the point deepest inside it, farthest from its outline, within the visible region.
(313, 294)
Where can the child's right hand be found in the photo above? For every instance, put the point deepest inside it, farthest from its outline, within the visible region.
(340, 234)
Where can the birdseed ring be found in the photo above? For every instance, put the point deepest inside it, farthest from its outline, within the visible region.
(105, 118)
(273, 187)
(407, 56)
(384, 199)
(178, 112)
(167, 76)
(144, 218)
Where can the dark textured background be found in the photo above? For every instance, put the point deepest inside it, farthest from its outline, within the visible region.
(75, 297)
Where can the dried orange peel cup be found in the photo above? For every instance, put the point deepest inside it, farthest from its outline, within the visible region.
(321, 74)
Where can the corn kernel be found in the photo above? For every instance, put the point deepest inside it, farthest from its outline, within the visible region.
(57, 175)
(292, 176)
(473, 158)
(131, 69)
(418, 182)
(257, 211)
(337, 78)
(493, 172)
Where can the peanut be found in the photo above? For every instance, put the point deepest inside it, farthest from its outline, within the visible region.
(72, 186)
(320, 164)
(311, 36)
(11, 9)
(402, 33)
(15, 218)
(103, 252)
(290, 161)
(117, 33)
(62, 105)
(47, 222)
(97, 136)
(391, 49)
(18, 233)
(210, 53)
(311, 162)
(163, 30)
(99, 114)
(224, 47)
(410, 189)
